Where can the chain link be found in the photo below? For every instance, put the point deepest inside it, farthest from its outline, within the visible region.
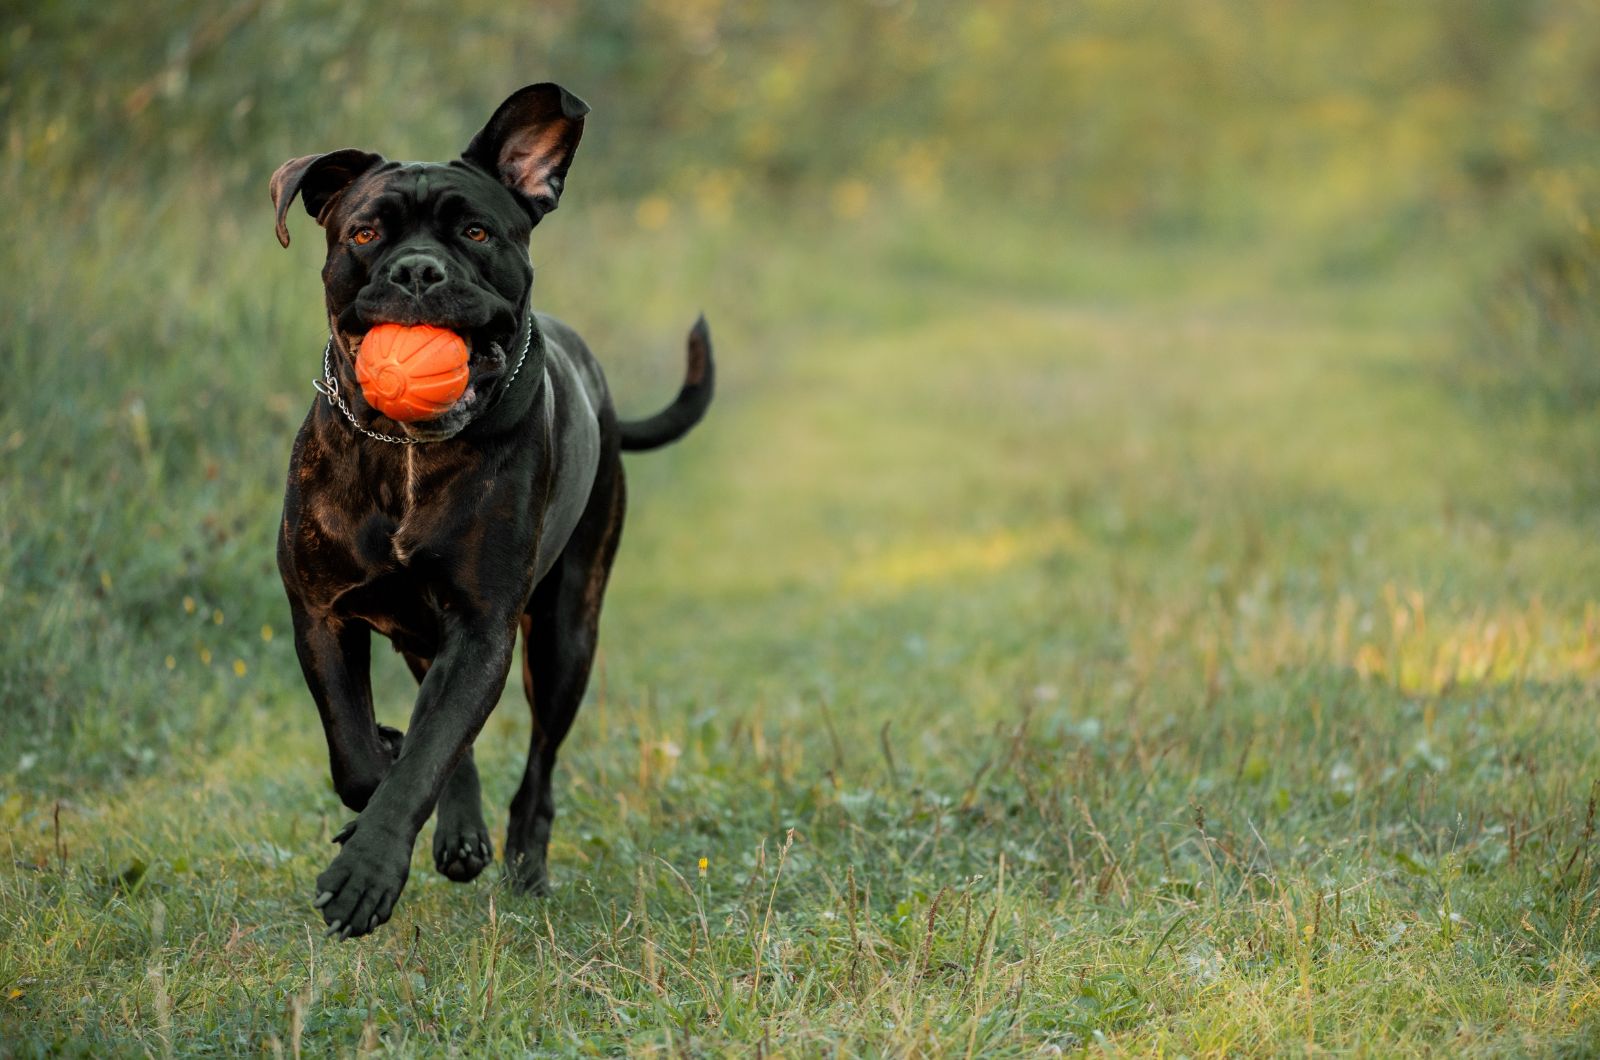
(328, 387)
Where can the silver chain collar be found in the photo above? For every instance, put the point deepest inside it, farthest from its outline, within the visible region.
(328, 387)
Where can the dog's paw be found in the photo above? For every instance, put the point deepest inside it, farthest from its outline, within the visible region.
(461, 851)
(391, 739)
(358, 890)
(526, 873)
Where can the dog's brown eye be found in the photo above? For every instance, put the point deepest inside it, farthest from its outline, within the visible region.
(476, 233)
(363, 236)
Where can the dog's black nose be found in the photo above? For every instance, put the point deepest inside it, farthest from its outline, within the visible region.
(417, 273)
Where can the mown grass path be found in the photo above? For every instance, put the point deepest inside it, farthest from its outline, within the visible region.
(1094, 648)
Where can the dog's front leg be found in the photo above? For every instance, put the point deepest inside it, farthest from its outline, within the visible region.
(335, 656)
(358, 890)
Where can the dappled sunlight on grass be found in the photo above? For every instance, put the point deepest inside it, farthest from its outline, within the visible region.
(1512, 646)
(942, 561)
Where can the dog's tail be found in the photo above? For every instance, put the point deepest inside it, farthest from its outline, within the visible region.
(674, 421)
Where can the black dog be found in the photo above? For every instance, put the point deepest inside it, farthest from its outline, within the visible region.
(445, 536)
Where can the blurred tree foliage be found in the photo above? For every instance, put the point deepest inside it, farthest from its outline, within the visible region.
(1205, 112)
(1360, 126)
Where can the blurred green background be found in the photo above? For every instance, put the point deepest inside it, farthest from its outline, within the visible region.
(157, 346)
(1165, 367)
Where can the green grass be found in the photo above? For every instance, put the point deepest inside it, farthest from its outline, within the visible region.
(1050, 641)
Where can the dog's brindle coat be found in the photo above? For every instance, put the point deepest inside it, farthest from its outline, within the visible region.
(506, 515)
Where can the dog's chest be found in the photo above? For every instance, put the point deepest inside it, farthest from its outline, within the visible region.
(402, 503)
(419, 502)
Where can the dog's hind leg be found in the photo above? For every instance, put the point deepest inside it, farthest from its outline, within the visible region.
(461, 844)
(560, 630)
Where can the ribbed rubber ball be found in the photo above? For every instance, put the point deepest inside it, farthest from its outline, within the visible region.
(412, 373)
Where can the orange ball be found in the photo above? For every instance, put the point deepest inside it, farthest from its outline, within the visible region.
(412, 373)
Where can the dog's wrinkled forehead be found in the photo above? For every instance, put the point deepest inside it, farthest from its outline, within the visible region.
(406, 193)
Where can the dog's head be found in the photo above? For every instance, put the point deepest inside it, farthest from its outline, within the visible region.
(440, 243)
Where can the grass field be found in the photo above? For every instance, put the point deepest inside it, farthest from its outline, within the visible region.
(1048, 643)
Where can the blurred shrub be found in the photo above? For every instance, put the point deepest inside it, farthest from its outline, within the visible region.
(1539, 327)
(1536, 163)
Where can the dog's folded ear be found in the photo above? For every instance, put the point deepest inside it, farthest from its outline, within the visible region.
(318, 180)
(529, 143)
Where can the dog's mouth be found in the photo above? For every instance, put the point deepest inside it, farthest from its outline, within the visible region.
(492, 348)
